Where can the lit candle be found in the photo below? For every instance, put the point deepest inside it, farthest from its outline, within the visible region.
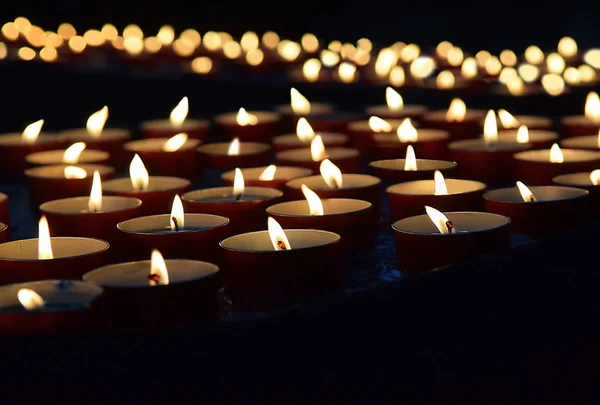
(587, 142)
(177, 123)
(460, 122)
(586, 124)
(584, 180)
(227, 156)
(74, 154)
(395, 107)
(346, 158)
(304, 135)
(429, 143)
(267, 176)
(249, 126)
(539, 139)
(508, 121)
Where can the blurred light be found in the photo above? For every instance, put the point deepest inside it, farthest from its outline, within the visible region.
(202, 65)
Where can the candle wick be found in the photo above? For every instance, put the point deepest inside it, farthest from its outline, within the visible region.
(450, 226)
(154, 279)
(281, 245)
(531, 197)
(237, 197)
(175, 223)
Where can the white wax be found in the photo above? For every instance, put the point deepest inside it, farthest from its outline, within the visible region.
(62, 247)
(261, 242)
(463, 222)
(156, 145)
(157, 183)
(79, 205)
(225, 194)
(161, 224)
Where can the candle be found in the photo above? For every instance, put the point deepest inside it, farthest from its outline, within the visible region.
(430, 143)
(486, 159)
(457, 120)
(95, 136)
(267, 176)
(408, 199)
(95, 216)
(395, 107)
(249, 126)
(50, 257)
(177, 123)
(156, 192)
(539, 167)
(588, 123)
(585, 180)
(53, 182)
(347, 159)
(227, 156)
(362, 132)
(157, 292)
(175, 156)
(311, 71)
(14, 147)
(589, 142)
(244, 206)
(74, 154)
(4, 217)
(268, 268)
(49, 306)
(343, 216)
(539, 139)
(426, 242)
(508, 121)
(304, 135)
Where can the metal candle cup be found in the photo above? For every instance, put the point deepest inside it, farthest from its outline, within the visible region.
(4, 218)
(258, 276)
(393, 169)
(66, 304)
(534, 167)
(268, 125)
(579, 125)
(421, 247)
(412, 111)
(178, 163)
(195, 129)
(214, 155)
(55, 157)
(111, 140)
(589, 142)
(156, 199)
(346, 159)
(538, 138)
(291, 141)
(129, 301)
(362, 136)
(409, 199)
(72, 258)
(556, 209)
(13, 150)
(431, 144)
(245, 214)
(283, 174)
(583, 181)
(469, 127)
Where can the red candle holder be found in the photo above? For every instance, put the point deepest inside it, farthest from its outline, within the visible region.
(111, 140)
(556, 209)
(362, 135)
(4, 233)
(252, 175)
(4, 217)
(346, 159)
(268, 124)
(215, 156)
(177, 163)
(412, 111)
(13, 150)
(195, 129)
(55, 157)
(470, 126)
(257, 276)
(393, 170)
(589, 142)
(583, 181)
(129, 301)
(292, 141)
(431, 144)
(478, 233)
(538, 139)
(72, 258)
(579, 125)
(534, 167)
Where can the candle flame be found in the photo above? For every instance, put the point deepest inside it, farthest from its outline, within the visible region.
(304, 131)
(234, 147)
(72, 153)
(407, 132)
(332, 175)
(534, 55)
(440, 187)
(278, 237)
(179, 113)
(30, 300)
(32, 132)
(422, 67)
(300, 104)
(244, 118)
(522, 134)
(95, 201)
(457, 111)
(410, 163)
(158, 270)
(507, 120)
(177, 218)
(377, 124)
(592, 106)
(317, 149)
(445, 80)
(567, 47)
(175, 142)
(490, 129)
(268, 174)
(595, 177)
(393, 99)
(556, 155)
(315, 205)
(442, 223)
(238, 184)
(44, 241)
(397, 76)
(468, 69)
(138, 174)
(311, 69)
(526, 193)
(96, 121)
(346, 72)
(74, 172)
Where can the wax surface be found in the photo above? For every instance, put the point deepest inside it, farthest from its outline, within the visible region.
(349, 181)
(574, 179)
(541, 193)
(363, 126)
(331, 206)
(423, 135)
(463, 222)
(427, 187)
(161, 224)
(261, 242)
(422, 164)
(264, 117)
(58, 171)
(55, 157)
(246, 148)
(530, 121)
(14, 139)
(440, 116)
(303, 155)
(570, 155)
(157, 183)
(79, 205)
(108, 134)
(225, 194)
(315, 109)
(535, 135)
(406, 111)
(156, 145)
(282, 173)
(27, 249)
(327, 137)
(479, 145)
(584, 142)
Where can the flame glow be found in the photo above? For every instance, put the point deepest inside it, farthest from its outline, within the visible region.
(179, 113)
(526, 193)
(553, 84)
(138, 174)
(44, 241)
(278, 237)
(72, 153)
(528, 73)
(177, 218)
(175, 142)
(347, 72)
(317, 149)
(234, 147)
(244, 118)
(379, 125)
(311, 69)
(393, 99)
(32, 132)
(422, 67)
(238, 184)
(159, 274)
(523, 134)
(556, 155)
(534, 55)
(507, 120)
(315, 205)
(74, 172)
(95, 201)
(441, 222)
(567, 47)
(457, 111)
(407, 132)
(96, 121)
(30, 300)
(592, 106)
(268, 174)
(595, 177)
(410, 162)
(440, 187)
(555, 63)
(332, 175)
(490, 129)
(300, 104)
(445, 80)
(304, 131)
(397, 76)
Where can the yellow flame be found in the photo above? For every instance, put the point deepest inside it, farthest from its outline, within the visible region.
(481, 57)
(166, 35)
(152, 45)
(555, 63)
(278, 237)
(109, 32)
(440, 221)
(179, 113)
(397, 76)
(556, 155)
(469, 68)
(457, 111)
(232, 50)
(268, 174)
(202, 65)
(455, 56)
(493, 66)
(212, 41)
(386, 60)
(393, 99)
(244, 118)
(178, 223)
(300, 104)
(592, 106)
(522, 134)
(317, 149)
(422, 67)
(96, 121)
(255, 57)
(595, 177)
(66, 31)
(95, 201)
(587, 73)
(365, 44)
(159, 274)
(77, 44)
(526, 193)
(329, 58)
(133, 45)
(445, 80)
(238, 184)
(508, 57)
(516, 86)
(44, 241)
(443, 48)
(310, 42)
(32, 132)
(331, 174)
(407, 132)
(410, 163)
(592, 57)
(10, 31)
(572, 75)
(138, 174)
(490, 129)
(346, 72)
(315, 206)
(74, 172)
(311, 69)
(377, 124)
(304, 131)
(249, 41)
(30, 300)
(534, 55)
(175, 142)
(234, 147)
(528, 73)
(507, 120)
(439, 182)
(270, 40)
(72, 153)
(567, 47)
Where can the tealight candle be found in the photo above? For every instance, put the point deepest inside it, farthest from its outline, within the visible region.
(429, 143)
(74, 154)
(304, 135)
(156, 192)
(395, 107)
(244, 206)
(48, 307)
(539, 139)
(268, 268)
(508, 121)
(410, 168)
(177, 123)
(95, 136)
(175, 156)
(588, 123)
(408, 199)
(426, 242)
(540, 211)
(95, 216)
(267, 176)
(587, 181)
(14, 147)
(333, 184)
(539, 167)
(4, 218)
(249, 126)
(362, 132)
(347, 159)
(157, 292)
(486, 159)
(50, 257)
(54, 182)
(588, 142)
(227, 156)
(460, 122)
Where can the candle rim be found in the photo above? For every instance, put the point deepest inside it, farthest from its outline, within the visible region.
(81, 133)
(100, 156)
(591, 155)
(44, 138)
(585, 175)
(336, 239)
(111, 185)
(136, 203)
(506, 223)
(291, 154)
(407, 110)
(230, 174)
(374, 181)
(148, 145)
(377, 164)
(104, 244)
(471, 115)
(166, 217)
(286, 109)
(264, 117)
(577, 194)
(38, 171)
(274, 193)
(188, 123)
(504, 146)
(393, 189)
(324, 135)
(365, 207)
(208, 148)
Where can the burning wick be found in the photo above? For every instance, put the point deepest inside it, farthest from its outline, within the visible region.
(175, 223)
(154, 278)
(281, 244)
(450, 226)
